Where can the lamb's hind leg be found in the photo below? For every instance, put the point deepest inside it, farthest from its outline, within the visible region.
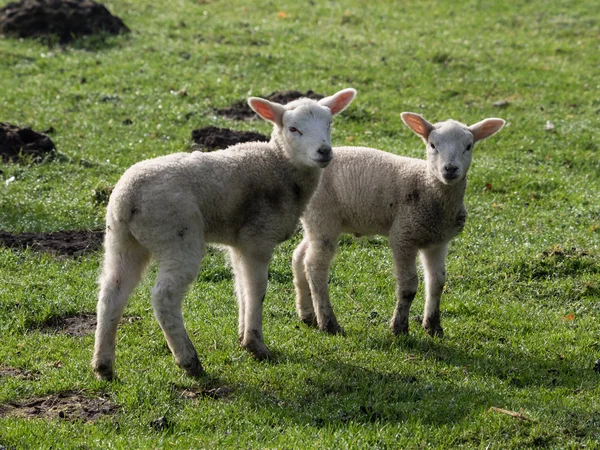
(124, 262)
(434, 267)
(304, 302)
(407, 283)
(318, 258)
(179, 263)
(238, 279)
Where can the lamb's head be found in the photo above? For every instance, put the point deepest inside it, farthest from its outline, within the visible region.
(450, 143)
(303, 126)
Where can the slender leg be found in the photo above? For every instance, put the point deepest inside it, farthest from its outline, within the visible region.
(304, 302)
(317, 260)
(238, 278)
(255, 273)
(178, 267)
(407, 283)
(124, 262)
(434, 267)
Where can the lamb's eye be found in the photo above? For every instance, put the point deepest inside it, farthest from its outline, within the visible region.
(432, 146)
(329, 125)
(294, 130)
(468, 148)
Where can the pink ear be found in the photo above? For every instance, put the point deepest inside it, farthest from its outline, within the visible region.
(417, 123)
(267, 110)
(339, 101)
(486, 128)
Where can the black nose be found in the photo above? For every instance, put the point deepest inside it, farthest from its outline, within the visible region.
(324, 151)
(450, 169)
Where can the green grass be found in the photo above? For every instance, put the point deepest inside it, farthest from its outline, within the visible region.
(521, 307)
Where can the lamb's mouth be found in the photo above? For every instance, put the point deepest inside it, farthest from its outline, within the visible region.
(323, 161)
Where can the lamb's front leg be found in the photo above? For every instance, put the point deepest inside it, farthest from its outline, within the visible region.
(254, 272)
(434, 267)
(407, 283)
(238, 279)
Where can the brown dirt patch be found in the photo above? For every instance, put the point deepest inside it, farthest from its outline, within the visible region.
(64, 243)
(18, 144)
(213, 138)
(214, 392)
(69, 406)
(241, 111)
(7, 371)
(76, 325)
(65, 19)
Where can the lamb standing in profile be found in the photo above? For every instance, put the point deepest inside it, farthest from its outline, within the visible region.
(417, 203)
(248, 197)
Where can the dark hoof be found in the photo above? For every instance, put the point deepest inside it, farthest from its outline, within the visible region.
(311, 320)
(104, 371)
(194, 368)
(399, 327)
(433, 327)
(332, 328)
(258, 350)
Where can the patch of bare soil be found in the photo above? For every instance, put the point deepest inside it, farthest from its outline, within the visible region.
(7, 371)
(64, 243)
(69, 406)
(241, 111)
(22, 143)
(77, 325)
(213, 138)
(65, 19)
(214, 392)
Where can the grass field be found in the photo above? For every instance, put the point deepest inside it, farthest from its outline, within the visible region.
(521, 307)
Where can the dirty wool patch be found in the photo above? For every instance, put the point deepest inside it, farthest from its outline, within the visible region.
(213, 138)
(65, 19)
(64, 243)
(70, 406)
(76, 325)
(18, 144)
(7, 371)
(241, 111)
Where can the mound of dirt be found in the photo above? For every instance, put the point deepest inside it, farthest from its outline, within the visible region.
(213, 138)
(241, 111)
(7, 371)
(77, 325)
(65, 19)
(17, 143)
(70, 406)
(65, 243)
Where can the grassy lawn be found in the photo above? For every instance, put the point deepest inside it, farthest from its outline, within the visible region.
(521, 309)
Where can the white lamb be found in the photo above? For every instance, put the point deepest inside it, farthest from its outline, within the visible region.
(248, 197)
(417, 203)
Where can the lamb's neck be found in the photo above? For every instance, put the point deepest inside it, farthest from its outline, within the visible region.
(451, 196)
(306, 178)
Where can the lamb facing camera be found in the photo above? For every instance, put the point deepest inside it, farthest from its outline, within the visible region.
(248, 197)
(417, 203)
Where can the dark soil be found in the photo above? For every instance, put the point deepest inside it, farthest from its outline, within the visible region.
(65, 19)
(216, 393)
(241, 111)
(213, 138)
(22, 143)
(76, 325)
(64, 243)
(70, 406)
(6, 371)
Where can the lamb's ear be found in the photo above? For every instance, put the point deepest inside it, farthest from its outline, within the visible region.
(486, 128)
(338, 101)
(273, 112)
(418, 124)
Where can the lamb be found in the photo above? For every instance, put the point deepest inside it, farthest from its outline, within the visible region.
(248, 197)
(417, 203)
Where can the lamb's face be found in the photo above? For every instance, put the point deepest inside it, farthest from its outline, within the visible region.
(307, 132)
(449, 151)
